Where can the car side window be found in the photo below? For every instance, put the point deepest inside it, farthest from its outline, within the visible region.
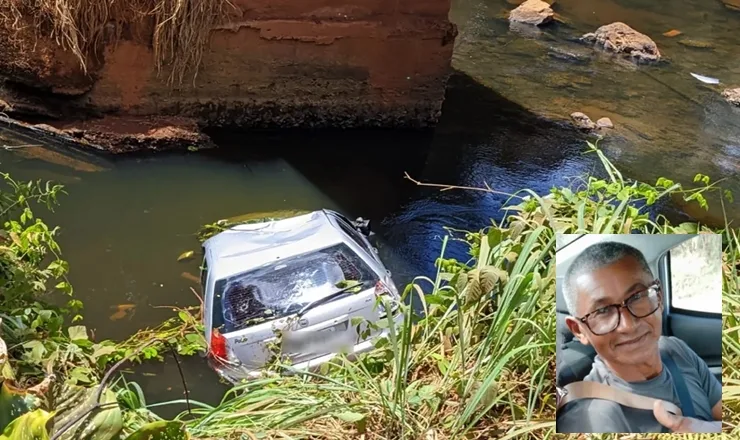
(696, 274)
(354, 234)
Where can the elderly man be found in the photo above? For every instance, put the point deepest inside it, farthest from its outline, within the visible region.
(616, 306)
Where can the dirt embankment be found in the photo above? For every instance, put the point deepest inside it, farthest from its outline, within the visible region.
(139, 74)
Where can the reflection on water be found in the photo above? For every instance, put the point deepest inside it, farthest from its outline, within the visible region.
(667, 122)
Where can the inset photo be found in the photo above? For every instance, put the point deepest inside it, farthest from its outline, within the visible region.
(639, 333)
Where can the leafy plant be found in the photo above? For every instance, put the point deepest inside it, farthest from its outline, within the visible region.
(56, 366)
(71, 405)
(30, 426)
(30, 258)
(13, 403)
(161, 430)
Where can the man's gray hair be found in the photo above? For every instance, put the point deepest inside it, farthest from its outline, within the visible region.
(595, 257)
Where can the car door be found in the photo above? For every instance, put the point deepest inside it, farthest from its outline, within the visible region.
(691, 273)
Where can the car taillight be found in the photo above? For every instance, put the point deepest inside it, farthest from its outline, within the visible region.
(382, 289)
(386, 286)
(218, 345)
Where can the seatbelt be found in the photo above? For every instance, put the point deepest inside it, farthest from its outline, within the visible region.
(679, 384)
(596, 390)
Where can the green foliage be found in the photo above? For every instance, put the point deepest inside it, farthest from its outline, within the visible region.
(30, 258)
(44, 345)
(13, 403)
(103, 423)
(353, 286)
(30, 426)
(40, 340)
(161, 430)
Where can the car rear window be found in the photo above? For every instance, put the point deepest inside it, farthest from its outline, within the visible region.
(284, 286)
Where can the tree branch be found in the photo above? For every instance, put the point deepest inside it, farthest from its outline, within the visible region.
(442, 187)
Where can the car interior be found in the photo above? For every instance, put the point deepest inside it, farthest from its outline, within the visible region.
(700, 330)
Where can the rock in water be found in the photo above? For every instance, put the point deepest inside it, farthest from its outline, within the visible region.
(604, 123)
(732, 96)
(622, 39)
(582, 122)
(577, 54)
(534, 12)
(696, 44)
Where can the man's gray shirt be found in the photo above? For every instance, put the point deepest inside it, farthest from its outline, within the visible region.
(599, 416)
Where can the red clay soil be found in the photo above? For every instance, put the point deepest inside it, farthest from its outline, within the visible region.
(122, 134)
(276, 64)
(118, 134)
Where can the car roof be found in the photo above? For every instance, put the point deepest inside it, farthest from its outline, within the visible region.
(244, 247)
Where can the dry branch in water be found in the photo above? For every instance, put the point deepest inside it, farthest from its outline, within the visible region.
(182, 27)
(443, 187)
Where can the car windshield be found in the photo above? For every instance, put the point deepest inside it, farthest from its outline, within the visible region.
(285, 286)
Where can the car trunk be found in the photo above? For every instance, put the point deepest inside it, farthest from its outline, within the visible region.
(322, 330)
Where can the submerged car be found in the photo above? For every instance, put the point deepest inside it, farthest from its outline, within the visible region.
(295, 288)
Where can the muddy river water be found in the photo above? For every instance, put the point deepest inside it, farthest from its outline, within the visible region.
(504, 122)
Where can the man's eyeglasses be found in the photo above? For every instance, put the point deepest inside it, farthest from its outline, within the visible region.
(641, 304)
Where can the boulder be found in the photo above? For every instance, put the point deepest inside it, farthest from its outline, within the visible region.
(732, 96)
(604, 123)
(582, 122)
(622, 39)
(535, 12)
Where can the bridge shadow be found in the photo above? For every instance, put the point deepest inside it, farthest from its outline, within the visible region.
(363, 169)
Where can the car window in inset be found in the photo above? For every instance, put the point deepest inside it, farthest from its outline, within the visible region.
(696, 274)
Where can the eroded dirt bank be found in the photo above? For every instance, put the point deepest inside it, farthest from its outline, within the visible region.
(266, 64)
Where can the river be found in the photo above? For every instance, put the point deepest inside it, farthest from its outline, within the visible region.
(122, 228)
(667, 122)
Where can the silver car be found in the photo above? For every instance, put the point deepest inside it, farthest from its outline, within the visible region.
(292, 288)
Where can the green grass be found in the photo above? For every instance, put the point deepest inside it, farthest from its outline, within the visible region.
(480, 363)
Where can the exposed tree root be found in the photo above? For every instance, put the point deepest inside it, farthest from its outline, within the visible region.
(182, 27)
